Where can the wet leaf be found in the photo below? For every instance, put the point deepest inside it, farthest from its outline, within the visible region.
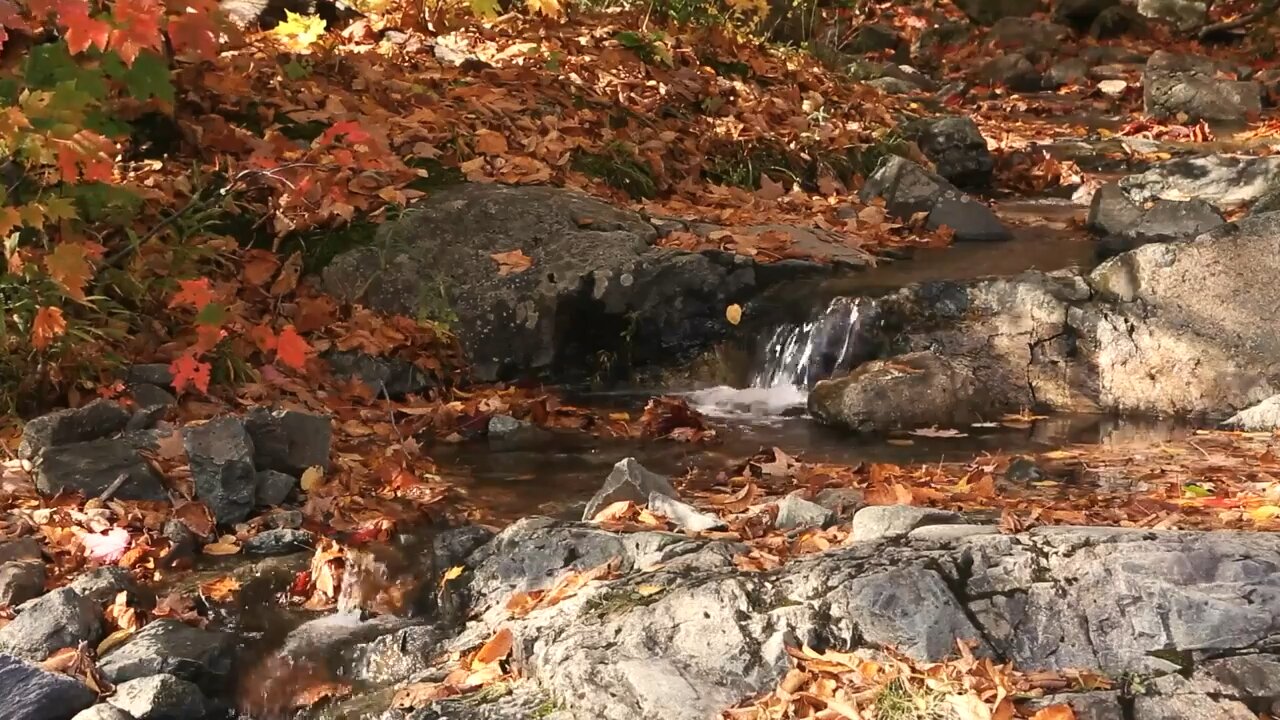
(497, 648)
(733, 314)
(512, 262)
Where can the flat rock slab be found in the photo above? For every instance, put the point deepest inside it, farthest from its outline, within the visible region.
(173, 648)
(89, 468)
(1224, 181)
(98, 419)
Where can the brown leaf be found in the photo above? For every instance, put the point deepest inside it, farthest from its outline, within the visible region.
(512, 262)
(497, 648)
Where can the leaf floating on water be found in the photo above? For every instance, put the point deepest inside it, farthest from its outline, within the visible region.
(935, 432)
(733, 314)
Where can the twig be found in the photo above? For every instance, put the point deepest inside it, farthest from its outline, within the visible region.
(1263, 9)
(113, 487)
(1204, 452)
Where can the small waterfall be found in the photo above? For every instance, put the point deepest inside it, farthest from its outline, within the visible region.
(834, 342)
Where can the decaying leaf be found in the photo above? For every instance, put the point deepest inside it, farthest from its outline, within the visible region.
(512, 262)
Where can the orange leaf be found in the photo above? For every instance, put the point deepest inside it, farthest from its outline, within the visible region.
(291, 349)
(512, 262)
(137, 27)
(195, 293)
(489, 142)
(498, 647)
(194, 33)
(69, 265)
(187, 370)
(83, 31)
(220, 590)
(263, 336)
(49, 324)
(1055, 712)
(259, 267)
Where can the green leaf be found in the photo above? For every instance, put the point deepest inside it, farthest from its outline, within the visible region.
(60, 208)
(1195, 490)
(485, 8)
(212, 314)
(295, 70)
(148, 78)
(50, 65)
(631, 39)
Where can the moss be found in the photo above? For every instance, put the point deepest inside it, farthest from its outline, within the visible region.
(546, 709)
(619, 600)
(618, 167)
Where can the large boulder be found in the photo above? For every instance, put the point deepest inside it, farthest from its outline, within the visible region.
(1187, 86)
(169, 647)
(56, 620)
(29, 692)
(904, 391)
(958, 150)
(1165, 220)
(98, 419)
(989, 12)
(1224, 181)
(221, 455)
(91, 467)
(908, 189)
(593, 282)
(1182, 14)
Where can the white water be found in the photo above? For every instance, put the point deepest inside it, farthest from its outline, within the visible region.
(795, 357)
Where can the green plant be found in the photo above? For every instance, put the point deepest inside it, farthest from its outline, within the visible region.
(617, 165)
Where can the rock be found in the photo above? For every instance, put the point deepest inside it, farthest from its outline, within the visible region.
(1012, 70)
(288, 440)
(507, 433)
(148, 396)
(221, 454)
(453, 546)
(56, 620)
(877, 522)
(273, 487)
(1072, 71)
(909, 189)
(843, 502)
(159, 697)
(22, 549)
(1187, 85)
(988, 12)
(1262, 417)
(907, 391)
(103, 711)
(1174, 219)
(1184, 15)
(390, 377)
(98, 419)
(904, 75)
(932, 42)
(170, 647)
(29, 692)
(89, 468)
(1189, 707)
(893, 86)
(1269, 201)
(157, 374)
(1116, 21)
(399, 656)
(684, 516)
(873, 38)
(1023, 32)
(281, 541)
(958, 150)
(20, 581)
(1081, 14)
(588, 260)
(1241, 677)
(629, 480)
(1023, 470)
(1224, 181)
(101, 585)
(796, 513)
(183, 543)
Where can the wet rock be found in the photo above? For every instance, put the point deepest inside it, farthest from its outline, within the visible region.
(595, 278)
(182, 543)
(452, 546)
(795, 513)
(1182, 14)
(1097, 705)
(629, 480)
(906, 391)
(1224, 181)
(873, 38)
(988, 12)
(1029, 33)
(98, 419)
(170, 647)
(1023, 470)
(1262, 417)
(507, 433)
(843, 502)
(877, 522)
(958, 151)
(103, 711)
(1072, 71)
(1012, 70)
(29, 692)
(391, 377)
(1081, 14)
(101, 585)
(1187, 85)
(20, 581)
(1166, 220)
(519, 701)
(399, 656)
(909, 189)
(57, 619)
(159, 697)
(279, 542)
(89, 468)
(903, 75)
(684, 516)
(288, 440)
(221, 455)
(273, 487)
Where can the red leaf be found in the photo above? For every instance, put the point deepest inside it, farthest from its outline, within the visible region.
(193, 33)
(263, 336)
(349, 128)
(187, 370)
(83, 31)
(137, 28)
(291, 349)
(195, 293)
(49, 324)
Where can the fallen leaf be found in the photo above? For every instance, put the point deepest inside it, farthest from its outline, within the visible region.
(221, 548)
(1055, 712)
(312, 478)
(497, 648)
(512, 262)
(107, 547)
(220, 590)
(733, 314)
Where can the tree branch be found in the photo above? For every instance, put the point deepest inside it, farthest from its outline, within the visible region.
(1264, 8)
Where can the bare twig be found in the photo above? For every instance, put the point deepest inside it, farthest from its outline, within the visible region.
(113, 487)
(1266, 7)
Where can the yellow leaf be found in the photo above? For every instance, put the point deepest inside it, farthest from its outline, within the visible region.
(1264, 513)
(221, 548)
(452, 573)
(969, 707)
(550, 8)
(113, 640)
(648, 590)
(312, 478)
(298, 32)
(733, 314)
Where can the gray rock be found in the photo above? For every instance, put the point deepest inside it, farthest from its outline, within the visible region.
(1189, 707)
(159, 697)
(288, 440)
(149, 396)
(273, 487)
(220, 453)
(399, 656)
(1072, 71)
(22, 549)
(589, 259)
(453, 546)
(392, 377)
(98, 419)
(56, 620)
(101, 585)
(905, 391)
(1111, 211)
(684, 516)
(893, 86)
(909, 189)
(794, 513)
(1241, 677)
(877, 522)
(103, 711)
(1263, 417)
(1224, 181)
(169, 647)
(873, 38)
(1012, 70)
(1173, 219)
(1029, 33)
(958, 150)
(629, 480)
(1116, 21)
(988, 12)
(91, 467)
(280, 541)
(1199, 96)
(28, 692)
(20, 581)
(1182, 14)
(157, 374)
(1023, 470)
(843, 502)
(932, 43)
(507, 433)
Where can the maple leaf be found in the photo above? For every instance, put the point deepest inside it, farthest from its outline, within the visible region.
(48, 325)
(291, 349)
(137, 27)
(298, 32)
(489, 142)
(263, 336)
(550, 8)
(69, 266)
(193, 33)
(106, 547)
(195, 293)
(512, 262)
(346, 128)
(189, 370)
(82, 31)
